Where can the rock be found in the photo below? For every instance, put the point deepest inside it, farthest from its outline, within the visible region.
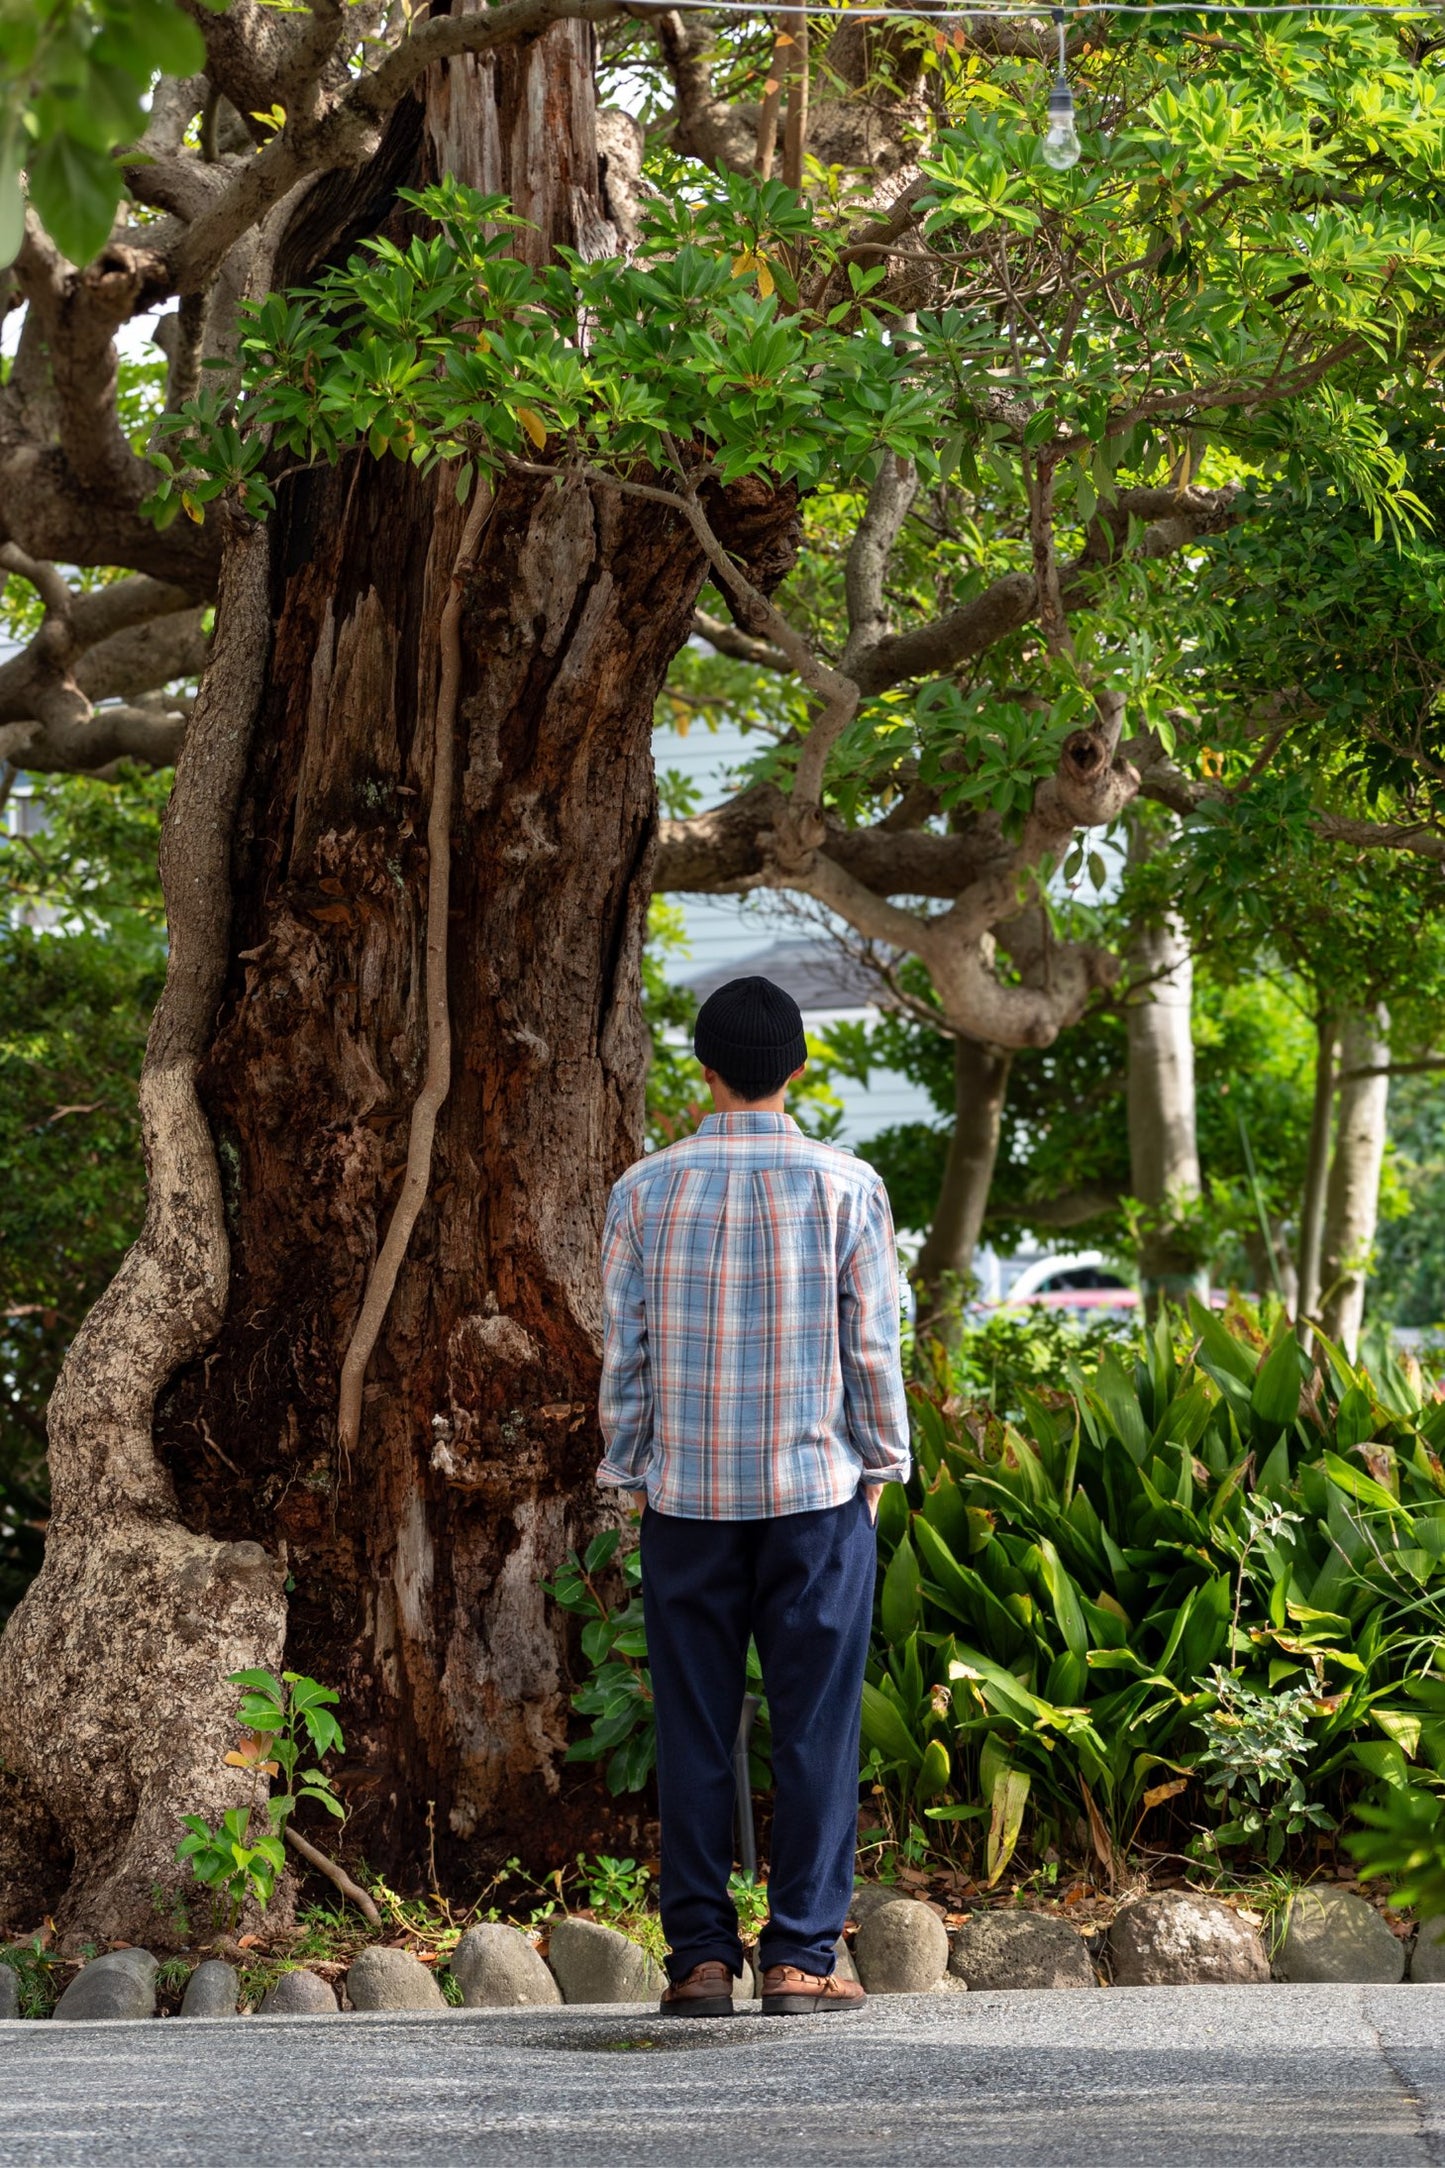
(496, 1967)
(1427, 1959)
(9, 1992)
(595, 1964)
(1019, 1949)
(1331, 1934)
(1177, 1939)
(213, 1990)
(901, 1949)
(382, 1979)
(300, 1994)
(950, 1984)
(120, 1984)
(870, 1897)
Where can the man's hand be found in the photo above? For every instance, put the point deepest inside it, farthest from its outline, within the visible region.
(637, 1499)
(872, 1492)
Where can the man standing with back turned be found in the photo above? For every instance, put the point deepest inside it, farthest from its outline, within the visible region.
(752, 1391)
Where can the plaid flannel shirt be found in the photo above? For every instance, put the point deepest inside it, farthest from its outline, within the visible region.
(750, 1325)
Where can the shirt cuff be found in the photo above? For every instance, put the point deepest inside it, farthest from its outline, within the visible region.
(610, 1478)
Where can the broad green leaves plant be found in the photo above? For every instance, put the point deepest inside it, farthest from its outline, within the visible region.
(284, 1722)
(1209, 1537)
(450, 349)
(1403, 1842)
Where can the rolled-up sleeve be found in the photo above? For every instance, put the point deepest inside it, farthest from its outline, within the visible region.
(624, 1402)
(874, 1400)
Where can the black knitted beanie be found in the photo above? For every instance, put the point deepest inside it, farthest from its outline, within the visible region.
(751, 1033)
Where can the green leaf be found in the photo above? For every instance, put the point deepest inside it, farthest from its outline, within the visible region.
(1383, 1760)
(308, 1693)
(884, 1728)
(1064, 1596)
(260, 1682)
(12, 195)
(601, 1550)
(75, 189)
(327, 1799)
(162, 38)
(935, 1772)
(1275, 1398)
(1219, 1344)
(901, 1602)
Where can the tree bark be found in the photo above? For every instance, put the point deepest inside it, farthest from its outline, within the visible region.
(1353, 1197)
(414, 1570)
(113, 1701)
(943, 1274)
(1317, 1171)
(1163, 1143)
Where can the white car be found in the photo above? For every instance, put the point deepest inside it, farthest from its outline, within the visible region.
(1082, 1280)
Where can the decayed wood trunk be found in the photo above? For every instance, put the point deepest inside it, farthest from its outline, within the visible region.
(1163, 1143)
(413, 1568)
(943, 1274)
(1353, 1198)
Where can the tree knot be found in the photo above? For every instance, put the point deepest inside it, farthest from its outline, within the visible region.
(789, 847)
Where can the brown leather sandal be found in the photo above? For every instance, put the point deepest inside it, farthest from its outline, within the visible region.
(788, 1991)
(706, 1992)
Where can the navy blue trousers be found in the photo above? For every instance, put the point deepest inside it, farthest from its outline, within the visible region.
(802, 1586)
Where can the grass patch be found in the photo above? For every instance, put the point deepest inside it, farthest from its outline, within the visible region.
(42, 1976)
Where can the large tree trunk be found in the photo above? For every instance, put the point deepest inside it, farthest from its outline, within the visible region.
(414, 1564)
(943, 1274)
(113, 1701)
(1353, 1198)
(1163, 1144)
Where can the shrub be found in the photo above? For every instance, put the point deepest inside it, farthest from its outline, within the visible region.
(1058, 1592)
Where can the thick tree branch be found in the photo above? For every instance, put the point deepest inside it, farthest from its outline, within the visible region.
(47, 719)
(246, 49)
(737, 645)
(837, 692)
(79, 313)
(144, 658)
(724, 851)
(1415, 836)
(1012, 600)
(865, 575)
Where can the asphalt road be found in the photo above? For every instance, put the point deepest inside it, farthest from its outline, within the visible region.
(1298, 2077)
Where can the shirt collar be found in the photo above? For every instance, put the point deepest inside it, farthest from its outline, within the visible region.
(751, 1122)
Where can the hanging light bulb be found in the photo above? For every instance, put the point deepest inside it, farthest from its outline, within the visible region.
(1061, 148)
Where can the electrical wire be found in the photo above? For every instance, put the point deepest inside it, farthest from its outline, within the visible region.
(841, 11)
